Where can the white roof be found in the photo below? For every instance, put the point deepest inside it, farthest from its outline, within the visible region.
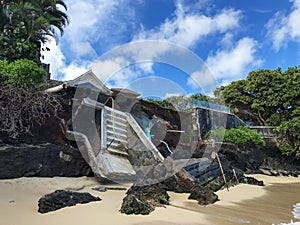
(88, 77)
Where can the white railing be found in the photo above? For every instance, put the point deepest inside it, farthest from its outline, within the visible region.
(266, 131)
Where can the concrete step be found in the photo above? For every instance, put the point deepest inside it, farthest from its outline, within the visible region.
(112, 133)
(117, 151)
(117, 124)
(116, 142)
(117, 128)
(116, 119)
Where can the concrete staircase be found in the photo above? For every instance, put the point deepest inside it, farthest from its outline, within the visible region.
(114, 131)
(119, 133)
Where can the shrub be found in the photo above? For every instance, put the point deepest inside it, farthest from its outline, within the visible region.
(21, 72)
(236, 135)
(216, 135)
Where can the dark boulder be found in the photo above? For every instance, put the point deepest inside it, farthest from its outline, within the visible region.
(182, 182)
(203, 195)
(268, 160)
(44, 160)
(143, 199)
(61, 198)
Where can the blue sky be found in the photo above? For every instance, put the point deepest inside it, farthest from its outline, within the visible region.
(230, 38)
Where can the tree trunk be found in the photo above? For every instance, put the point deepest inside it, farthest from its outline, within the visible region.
(261, 120)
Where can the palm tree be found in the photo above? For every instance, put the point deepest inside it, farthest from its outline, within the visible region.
(30, 23)
(46, 18)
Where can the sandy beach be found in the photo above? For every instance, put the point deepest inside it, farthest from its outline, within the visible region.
(243, 204)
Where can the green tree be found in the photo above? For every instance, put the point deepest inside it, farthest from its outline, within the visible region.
(199, 97)
(273, 98)
(266, 88)
(238, 99)
(290, 143)
(234, 94)
(25, 24)
(290, 112)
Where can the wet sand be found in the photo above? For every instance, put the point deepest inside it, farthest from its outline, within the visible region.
(247, 204)
(243, 204)
(273, 208)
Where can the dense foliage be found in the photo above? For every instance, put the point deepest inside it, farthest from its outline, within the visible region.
(236, 135)
(23, 102)
(25, 24)
(21, 72)
(162, 103)
(269, 97)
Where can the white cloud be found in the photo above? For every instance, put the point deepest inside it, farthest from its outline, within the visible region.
(54, 57)
(93, 22)
(134, 59)
(227, 40)
(168, 95)
(124, 78)
(294, 21)
(83, 18)
(74, 70)
(228, 64)
(58, 68)
(107, 69)
(202, 78)
(147, 67)
(190, 6)
(188, 28)
(284, 28)
(232, 63)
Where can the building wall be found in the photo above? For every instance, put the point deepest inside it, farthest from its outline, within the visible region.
(208, 119)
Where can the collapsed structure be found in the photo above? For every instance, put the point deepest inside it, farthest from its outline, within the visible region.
(121, 142)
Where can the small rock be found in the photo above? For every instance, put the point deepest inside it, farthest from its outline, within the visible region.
(266, 172)
(294, 174)
(252, 180)
(101, 189)
(203, 195)
(61, 198)
(274, 173)
(116, 188)
(104, 189)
